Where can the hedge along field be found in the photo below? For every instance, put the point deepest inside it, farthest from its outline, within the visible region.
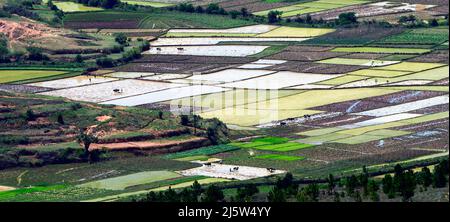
(74, 7)
(381, 50)
(9, 76)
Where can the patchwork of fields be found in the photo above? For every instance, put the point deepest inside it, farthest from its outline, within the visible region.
(311, 101)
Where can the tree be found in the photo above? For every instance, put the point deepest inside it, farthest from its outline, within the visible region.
(197, 188)
(213, 8)
(87, 140)
(331, 183)
(425, 177)
(170, 196)
(121, 38)
(287, 184)
(199, 9)
(79, 59)
(30, 116)
(388, 185)
(408, 185)
(351, 184)
(244, 12)
(364, 180)
(184, 120)
(310, 193)
(105, 62)
(4, 51)
(308, 19)
(36, 54)
(372, 189)
(109, 3)
(188, 196)
(439, 178)
(234, 14)
(245, 193)
(274, 16)
(433, 23)
(347, 18)
(213, 194)
(337, 197)
(60, 119)
(357, 196)
(276, 195)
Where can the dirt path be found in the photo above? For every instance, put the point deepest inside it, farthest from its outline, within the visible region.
(5, 188)
(145, 144)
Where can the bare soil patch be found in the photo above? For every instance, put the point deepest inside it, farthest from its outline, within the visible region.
(318, 68)
(438, 56)
(306, 56)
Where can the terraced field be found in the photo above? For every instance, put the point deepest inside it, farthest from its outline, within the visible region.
(220, 100)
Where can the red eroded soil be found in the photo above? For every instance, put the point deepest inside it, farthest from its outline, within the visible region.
(148, 144)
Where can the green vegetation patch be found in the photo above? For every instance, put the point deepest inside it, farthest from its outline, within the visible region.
(381, 50)
(122, 182)
(9, 76)
(279, 144)
(10, 195)
(418, 36)
(280, 157)
(205, 151)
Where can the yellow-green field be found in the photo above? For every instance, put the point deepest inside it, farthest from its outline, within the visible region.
(8, 76)
(291, 106)
(74, 7)
(147, 3)
(343, 79)
(379, 73)
(381, 50)
(292, 32)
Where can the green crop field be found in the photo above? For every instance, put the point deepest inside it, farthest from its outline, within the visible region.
(8, 76)
(205, 151)
(122, 182)
(418, 36)
(278, 144)
(311, 7)
(280, 157)
(158, 19)
(170, 19)
(380, 50)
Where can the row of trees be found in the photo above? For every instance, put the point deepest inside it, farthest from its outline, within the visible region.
(404, 184)
(108, 4)
(194, 193)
